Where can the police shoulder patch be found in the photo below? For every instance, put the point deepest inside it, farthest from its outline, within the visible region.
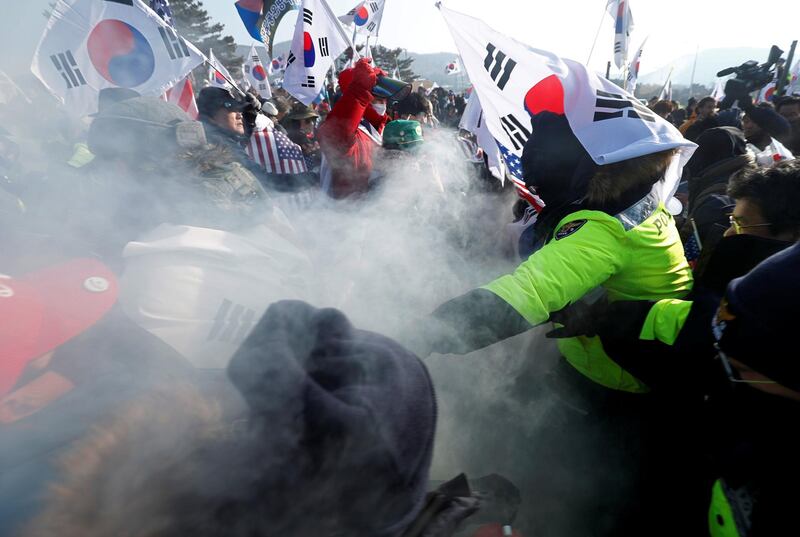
(569, 228)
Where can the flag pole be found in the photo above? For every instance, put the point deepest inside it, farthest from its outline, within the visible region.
(596, 35)
(694, 66)
(664, 87)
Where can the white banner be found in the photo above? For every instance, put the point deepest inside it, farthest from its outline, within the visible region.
(515, 82)
(318, 39)
(90, 45)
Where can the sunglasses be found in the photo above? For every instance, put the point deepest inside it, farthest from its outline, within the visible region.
(732, 374)
(737, 227)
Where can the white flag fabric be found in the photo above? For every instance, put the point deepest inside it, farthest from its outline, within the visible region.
(666, 91)
(217, 72)
(182, 95)
(633, 70)
(473, 121)
(366, 17)
(90, 45)
(453, 68)
(620, 11)
(203, 290)
(719, 89)
(793, 87)
(255, 74)
(766, 93)
(318, 39)
(514, 81)
(277, 65)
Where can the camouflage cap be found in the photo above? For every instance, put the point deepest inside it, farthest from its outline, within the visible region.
(402, 134)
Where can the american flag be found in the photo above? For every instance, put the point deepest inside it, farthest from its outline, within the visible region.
(692, 247)
(162, 9)
(514, 168)
(276, 152)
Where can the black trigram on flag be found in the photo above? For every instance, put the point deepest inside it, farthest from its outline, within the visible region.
(232, 323)
(371, 26)
(374, 6)
(310, 82)
(262, 86)
(617, 106)
(308, 16)
(290, 60)
(323, 47)
(517, 133)
(68, 69)
(175, 46)
(498, 65)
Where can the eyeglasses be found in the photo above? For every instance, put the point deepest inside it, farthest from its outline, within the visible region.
(737, 227)
(732, 375)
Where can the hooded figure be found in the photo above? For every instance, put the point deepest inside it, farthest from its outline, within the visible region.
(351, 133)
(721, 152)
(331, 433)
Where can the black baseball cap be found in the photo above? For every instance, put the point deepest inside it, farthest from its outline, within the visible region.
(211, 99)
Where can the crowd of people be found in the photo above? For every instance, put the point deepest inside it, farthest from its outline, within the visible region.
(145, 391)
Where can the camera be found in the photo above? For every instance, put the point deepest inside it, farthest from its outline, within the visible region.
(750, 77)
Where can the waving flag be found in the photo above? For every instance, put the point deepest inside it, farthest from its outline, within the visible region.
(318, 39)
(472, 121)
(366, 17)
(633, 70)
(275, 152)
(256, 74)
(277, 65)
(261, 18)
(89, 45)
(620, 10)
(453, 68)
(514, 82)
(767, 93)
(217, 73)
(182, 95)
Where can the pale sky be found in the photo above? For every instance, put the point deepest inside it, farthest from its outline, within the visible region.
(568, 27)
(565, 27)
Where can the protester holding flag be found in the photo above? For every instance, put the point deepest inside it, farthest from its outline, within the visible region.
(351, 133)
(761, 126)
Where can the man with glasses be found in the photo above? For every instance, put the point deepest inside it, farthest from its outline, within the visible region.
(767, 203)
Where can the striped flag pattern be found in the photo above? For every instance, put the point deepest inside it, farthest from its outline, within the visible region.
(275, 152)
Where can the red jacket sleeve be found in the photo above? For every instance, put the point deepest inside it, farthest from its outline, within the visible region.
(338, 132)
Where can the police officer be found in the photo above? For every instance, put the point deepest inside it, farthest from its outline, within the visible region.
(603, 227)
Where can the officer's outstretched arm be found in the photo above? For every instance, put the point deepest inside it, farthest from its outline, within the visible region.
(577, 261)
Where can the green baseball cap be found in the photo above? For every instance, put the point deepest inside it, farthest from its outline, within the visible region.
(402, 134)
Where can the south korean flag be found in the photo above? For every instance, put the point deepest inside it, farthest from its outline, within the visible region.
(255, 74)
(89, 45)
(515, 82)
(366, 17)
(318, 39)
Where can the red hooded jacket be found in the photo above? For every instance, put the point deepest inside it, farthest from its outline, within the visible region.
(347, 149)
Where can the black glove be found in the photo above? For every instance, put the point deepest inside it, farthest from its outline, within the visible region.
(253, 104)
(616, 321)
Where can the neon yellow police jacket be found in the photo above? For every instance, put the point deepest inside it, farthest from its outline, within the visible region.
(635, 255)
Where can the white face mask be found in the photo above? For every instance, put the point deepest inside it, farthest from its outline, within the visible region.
(380, 108)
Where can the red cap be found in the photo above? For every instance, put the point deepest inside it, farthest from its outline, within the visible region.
(44, 309)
